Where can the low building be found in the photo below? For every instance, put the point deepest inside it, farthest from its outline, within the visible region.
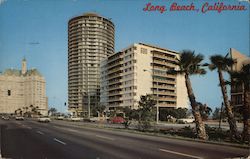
(138, 70)
(22, 90)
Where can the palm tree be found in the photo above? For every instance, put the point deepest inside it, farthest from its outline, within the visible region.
(52, 111)
(222, 64)
(243, 77)
(190, 64)
(34, 110)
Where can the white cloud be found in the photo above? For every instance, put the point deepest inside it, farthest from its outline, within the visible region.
(2, 1)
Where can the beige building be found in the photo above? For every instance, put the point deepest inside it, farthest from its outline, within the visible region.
(237, 88)
(19, 89)
(138, 70)
(90, 39)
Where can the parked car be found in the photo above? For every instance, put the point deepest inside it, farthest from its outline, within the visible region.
(6, 118)
(60, 118)
(117, 120)
(19, 118)
(94, 119)
(44, 119)
(185, 120)
(74, 119)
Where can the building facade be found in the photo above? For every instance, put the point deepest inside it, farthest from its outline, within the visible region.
(237, 98)
(90, 39)
(138, 70)
(22, 89)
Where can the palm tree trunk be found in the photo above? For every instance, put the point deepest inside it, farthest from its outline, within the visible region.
(200, 127)
(246, 112)
(230, 115)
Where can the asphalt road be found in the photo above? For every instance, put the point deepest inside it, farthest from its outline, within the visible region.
(66, 140)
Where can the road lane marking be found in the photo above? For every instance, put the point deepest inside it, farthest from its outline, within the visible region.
(39, 132)
(29, 127)
(59, 141)
(105, 137)
(181, 154)
(72, 130)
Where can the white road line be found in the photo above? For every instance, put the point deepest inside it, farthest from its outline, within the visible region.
(104, 137)
(39, 132)
(181, 154)
(28, 127)
(55, 139)
(72, 130)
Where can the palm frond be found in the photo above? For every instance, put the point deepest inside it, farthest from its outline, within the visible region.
(221, 62)
(190, 63)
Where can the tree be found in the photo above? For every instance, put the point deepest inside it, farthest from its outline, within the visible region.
(176, 113)
(223, 64)
(243, 77)
(216, 114)
(34, 110)
(204, 110)
(146, 111)
(98, 109)
(130, 113)
(190, 64)
(52, 111)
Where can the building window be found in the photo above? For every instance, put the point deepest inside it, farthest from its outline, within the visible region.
(143, 51)
(9, 92)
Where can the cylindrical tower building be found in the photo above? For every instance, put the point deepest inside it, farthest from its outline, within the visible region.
(90, 39)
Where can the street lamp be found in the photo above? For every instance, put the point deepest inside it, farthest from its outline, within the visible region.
(157, 106)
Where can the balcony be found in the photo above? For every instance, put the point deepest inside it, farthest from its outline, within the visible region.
(164, 75)
(164, 86)
(164, 81)
(166, 99)
(166, 105)
(164, 57)
(164, 93)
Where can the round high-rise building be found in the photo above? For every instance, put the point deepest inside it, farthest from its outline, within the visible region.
(90, 39)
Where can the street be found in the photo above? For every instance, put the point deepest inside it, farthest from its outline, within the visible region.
(30, 139)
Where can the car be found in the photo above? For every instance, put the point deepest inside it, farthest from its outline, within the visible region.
(94, 119)
(185, 120)
(60, 118)
(74, 119)
(19, 118)
(44, 119)
(6, 118)
(117, 120)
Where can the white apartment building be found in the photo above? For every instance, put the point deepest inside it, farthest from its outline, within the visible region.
(138, 70)
(19, 89)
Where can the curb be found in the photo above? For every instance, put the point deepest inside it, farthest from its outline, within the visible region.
(167, 136)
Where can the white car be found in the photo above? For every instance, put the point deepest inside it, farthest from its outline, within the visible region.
(94, 119)
(186, 120)
(74, 119)
(60, 118)
(19, 118)
(44, 119)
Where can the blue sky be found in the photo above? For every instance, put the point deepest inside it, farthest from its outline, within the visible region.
(23, 22)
